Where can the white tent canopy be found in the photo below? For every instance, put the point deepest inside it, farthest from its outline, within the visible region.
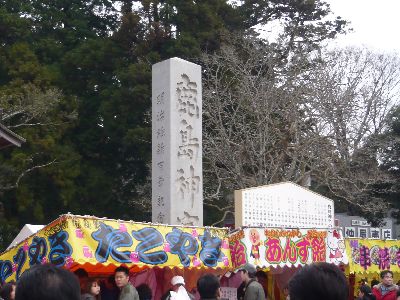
(25, 232)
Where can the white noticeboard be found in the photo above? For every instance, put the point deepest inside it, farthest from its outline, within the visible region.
(285, 205)
(228, 293)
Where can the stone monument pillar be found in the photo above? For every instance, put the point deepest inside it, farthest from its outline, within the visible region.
(177, 179)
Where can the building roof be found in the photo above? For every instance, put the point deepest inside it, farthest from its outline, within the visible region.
(9, 138)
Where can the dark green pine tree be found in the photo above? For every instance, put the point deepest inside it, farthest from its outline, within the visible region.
(88, 63)
(39, 181)
(391, 161)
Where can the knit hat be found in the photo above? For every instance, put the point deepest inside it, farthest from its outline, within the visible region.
(249, 268)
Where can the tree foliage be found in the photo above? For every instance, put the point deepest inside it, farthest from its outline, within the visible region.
(75, 81)
(353, 92)
(390, 161)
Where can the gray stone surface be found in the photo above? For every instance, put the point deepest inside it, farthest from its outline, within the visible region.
(177, 179)
(362, 229)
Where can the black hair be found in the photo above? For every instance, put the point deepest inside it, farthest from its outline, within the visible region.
(47, 282)
(252, 275)
(144, 292)
(208, 286)
(81, 273)
(122, 269)
(88, 288)
(260, 273)
(385, 272)
(241, 291)
(111, 279)
(319, 281)
(366, 290)
(5, 292)
(374, 282)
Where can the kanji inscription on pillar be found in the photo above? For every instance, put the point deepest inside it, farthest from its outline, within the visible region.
(177, 176)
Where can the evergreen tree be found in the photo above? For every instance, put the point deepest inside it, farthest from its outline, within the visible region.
(391, 161)
(83, 68)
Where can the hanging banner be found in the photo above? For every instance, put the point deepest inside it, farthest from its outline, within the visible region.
(373, 256)
(72, 239)
(293, 247)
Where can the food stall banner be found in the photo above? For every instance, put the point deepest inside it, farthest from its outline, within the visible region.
(266, 247)
(373, 256)
(72, 240)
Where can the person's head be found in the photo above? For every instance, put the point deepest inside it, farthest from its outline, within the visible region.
(374, 282)
(318, 281)
(83, 277)
(7, 291)
(285, 291)
(93, 287)
(109, 283)
(362, 281)
(365, 292)
(248, 271)
(261, 277)
(208, 286)
(144, 292)
(176, 282)
(47, 282)
(387, 277)
(121, 276)
(81, 273)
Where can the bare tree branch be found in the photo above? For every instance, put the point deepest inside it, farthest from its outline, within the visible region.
(24, 173)
(268, 120)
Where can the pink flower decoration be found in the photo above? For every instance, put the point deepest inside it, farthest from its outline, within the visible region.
(134, 257)
(69, 261)
(122, 227)
(195, 261)
(195, 233)
(86, 252)
(167, 248)
(26, 247)
(79, 233)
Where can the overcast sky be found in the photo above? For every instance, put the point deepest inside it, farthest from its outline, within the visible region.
(376, 23)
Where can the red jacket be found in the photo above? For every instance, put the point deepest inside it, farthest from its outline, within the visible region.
(390, 295)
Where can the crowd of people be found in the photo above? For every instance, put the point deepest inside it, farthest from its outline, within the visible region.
(384, 290)
(311, 282)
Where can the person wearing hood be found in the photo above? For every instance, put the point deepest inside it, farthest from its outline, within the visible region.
(386, 290)
(178, 288)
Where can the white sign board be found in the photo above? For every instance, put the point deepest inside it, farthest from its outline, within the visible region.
(386, 233)
(359, 223)
(228, 293)
(285, 205)
(350, 232)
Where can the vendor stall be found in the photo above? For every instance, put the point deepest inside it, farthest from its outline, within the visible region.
(281, 251)
(99, 245)
(291, 248)
(368, 257)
